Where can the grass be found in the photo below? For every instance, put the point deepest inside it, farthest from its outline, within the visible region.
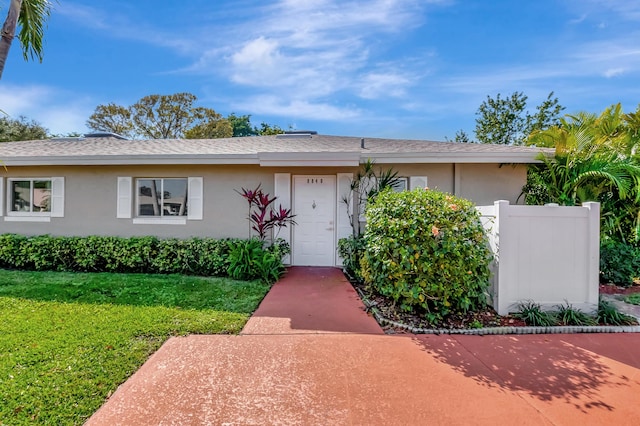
(68, 340)
(634, 299)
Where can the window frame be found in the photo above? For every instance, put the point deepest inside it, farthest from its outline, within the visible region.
(56, 199)
(162, 218)
(127, 201)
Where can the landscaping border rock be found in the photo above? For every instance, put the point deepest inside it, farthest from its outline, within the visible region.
(497, 330)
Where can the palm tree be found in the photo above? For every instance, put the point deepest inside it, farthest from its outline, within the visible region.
(31, 15)
(595, 160)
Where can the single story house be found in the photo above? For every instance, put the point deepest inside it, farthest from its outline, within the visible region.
(182, 188)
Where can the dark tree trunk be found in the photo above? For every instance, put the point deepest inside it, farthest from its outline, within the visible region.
(9, 31)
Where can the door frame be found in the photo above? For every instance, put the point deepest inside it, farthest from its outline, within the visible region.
(333, 245)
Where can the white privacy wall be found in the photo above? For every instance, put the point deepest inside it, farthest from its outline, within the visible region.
(545, 254)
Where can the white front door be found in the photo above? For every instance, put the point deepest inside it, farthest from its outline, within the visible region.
(314, 204)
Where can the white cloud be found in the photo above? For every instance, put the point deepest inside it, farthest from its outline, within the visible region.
(315, 49)
(380, 84)
(119, 26)
(302, 109)
(15, 100)
(614, 72)
(58, 111)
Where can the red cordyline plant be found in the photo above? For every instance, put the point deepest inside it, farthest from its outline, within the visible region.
(263, 215)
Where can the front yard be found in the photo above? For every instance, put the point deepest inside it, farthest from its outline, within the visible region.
(67, 340)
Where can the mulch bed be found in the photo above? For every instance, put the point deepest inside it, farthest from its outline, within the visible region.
(486, 318)
(614, 289)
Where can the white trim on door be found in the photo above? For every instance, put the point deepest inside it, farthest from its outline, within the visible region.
(314, 236)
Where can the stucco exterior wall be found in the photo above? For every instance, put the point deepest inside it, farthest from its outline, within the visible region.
(486, 183)
(91, 197)
(91, 194)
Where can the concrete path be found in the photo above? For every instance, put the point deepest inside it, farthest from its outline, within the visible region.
(312, 300)
(310, 368)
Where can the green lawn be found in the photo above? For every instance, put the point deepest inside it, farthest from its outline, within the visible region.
(68, 340)
(634, 299)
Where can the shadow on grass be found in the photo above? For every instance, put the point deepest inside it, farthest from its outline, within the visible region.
(548, 369)
(173, 291)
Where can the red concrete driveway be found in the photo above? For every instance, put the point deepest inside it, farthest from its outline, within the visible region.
(311, 368)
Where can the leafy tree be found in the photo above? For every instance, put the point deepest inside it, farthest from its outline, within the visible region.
(67, 135)
(461, 137)
(20, 129)
(241, 125)
(547, 115)
(112, 118)
(505, 120)
(267, 129)
(163, 116)
(173, 116)
(31, 15)
(210, 125)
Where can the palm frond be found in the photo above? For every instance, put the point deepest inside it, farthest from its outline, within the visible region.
(32, 20)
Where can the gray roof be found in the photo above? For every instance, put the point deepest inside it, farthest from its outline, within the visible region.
(278, 150)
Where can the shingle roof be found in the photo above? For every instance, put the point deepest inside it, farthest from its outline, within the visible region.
(253, 150)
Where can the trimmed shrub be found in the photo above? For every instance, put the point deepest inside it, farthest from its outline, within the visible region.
(428, 251)
(194, 256)
(619, 263)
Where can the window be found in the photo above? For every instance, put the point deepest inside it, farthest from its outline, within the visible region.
(34, 199)
(153, 201)
(401, 184)
(161, 197)
(30, 196)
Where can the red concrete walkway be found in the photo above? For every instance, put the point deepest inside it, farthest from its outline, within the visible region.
(305, 371)
(311, 300)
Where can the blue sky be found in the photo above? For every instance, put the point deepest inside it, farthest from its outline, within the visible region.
(377, 68)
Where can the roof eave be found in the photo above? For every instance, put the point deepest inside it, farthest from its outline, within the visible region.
(457, 157)
(118, 160)
(309, 159)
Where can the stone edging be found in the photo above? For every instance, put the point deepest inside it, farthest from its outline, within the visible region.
(572, 329)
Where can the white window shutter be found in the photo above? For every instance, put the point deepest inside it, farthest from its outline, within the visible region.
(344, 228)
(57, 197)
(125, 198)
(417, 182)
(282, 190)
(195, 205)
(2, 196)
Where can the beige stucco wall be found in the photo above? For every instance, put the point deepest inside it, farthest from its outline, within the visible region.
(486, 183)
(91, 194)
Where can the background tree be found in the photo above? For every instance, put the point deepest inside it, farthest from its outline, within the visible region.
(173, 116)
(506, 121)
(112, 118)
(267, 129)
(163, 116)
(241, 125)
(210, 125)
(31, 15)
(547, 115)
(21, 129)
(460, 137)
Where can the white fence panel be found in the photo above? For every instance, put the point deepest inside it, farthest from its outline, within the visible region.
(545, 254)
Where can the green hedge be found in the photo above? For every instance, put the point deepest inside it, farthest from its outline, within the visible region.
(619, 263)
(427, 250)
(195, 256)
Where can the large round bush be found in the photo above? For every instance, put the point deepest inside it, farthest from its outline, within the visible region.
(427, 250)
